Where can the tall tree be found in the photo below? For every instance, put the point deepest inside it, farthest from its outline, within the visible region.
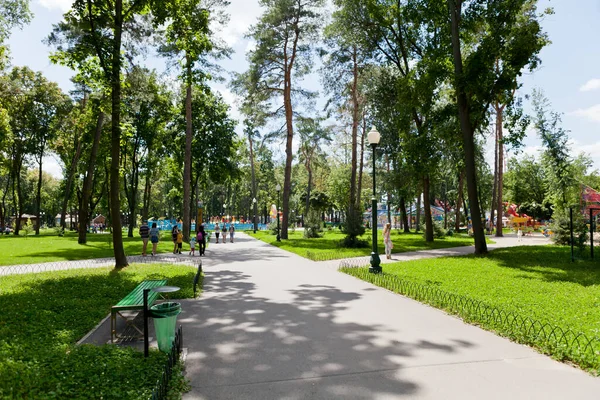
(92, 32)
(187, 37)
(481, 34)
(284, 36)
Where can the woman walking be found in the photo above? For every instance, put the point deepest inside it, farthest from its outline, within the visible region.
(217, 232)
(174, 233)
(154, 234)
(387, 241)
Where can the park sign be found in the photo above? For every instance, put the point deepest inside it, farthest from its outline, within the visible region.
(590, 200)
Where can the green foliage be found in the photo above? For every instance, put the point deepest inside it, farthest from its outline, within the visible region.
(529, 282)
(28, 227)
(313, 226)
(561, 228)
(438, 231)
(49, 247)
(353, 227)
(45, 314)
(327, 247)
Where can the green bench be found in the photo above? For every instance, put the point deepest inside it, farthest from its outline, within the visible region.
(134, 301)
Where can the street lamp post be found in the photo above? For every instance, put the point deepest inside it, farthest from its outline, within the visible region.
(373, 137)
(254, 208)
(278, 188)
(224, 209)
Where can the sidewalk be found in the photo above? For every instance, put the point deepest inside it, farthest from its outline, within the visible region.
(272, 325)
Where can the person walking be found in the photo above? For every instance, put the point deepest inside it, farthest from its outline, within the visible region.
(154, 235)
(387, 240)
(145, 235)
(231, 232)
(201, 238)
(217, 232)
(179, 241)
(174, 238)
(223, 232)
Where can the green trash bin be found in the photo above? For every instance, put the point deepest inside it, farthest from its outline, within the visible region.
(165, 320)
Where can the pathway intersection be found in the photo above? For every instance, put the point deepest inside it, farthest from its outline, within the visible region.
(273, 325)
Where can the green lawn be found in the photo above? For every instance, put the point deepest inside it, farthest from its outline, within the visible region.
(50, 247)
(538, 282)
(327, 246)
(44, 315)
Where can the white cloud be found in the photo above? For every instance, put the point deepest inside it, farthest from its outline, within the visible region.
(592, 84)
(63, 5)
(243, 14)
(592, 113)
(51, 166)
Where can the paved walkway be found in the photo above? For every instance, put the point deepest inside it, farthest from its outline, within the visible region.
(272, 325)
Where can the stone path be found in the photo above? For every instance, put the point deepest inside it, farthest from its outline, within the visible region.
(272, 325)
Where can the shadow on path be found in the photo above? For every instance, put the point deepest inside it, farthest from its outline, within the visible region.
(252, 348)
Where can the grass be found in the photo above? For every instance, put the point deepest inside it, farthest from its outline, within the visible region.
(327, 248)
(44, 315)
(535, 282)
(50, 247)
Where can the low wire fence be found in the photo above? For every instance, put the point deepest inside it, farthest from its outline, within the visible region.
(162, 386)
(328, 256)
(93, 263)
(563, 344)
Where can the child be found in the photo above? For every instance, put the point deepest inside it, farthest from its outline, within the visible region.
(519, 235)
(231, 232)
(387, 240)
(193, 246)
(179, 241)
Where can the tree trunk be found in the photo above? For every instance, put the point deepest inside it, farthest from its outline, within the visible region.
(459, 201)
(418, 213)
(499, 205)
(3, 211)
(88, 180)
(287, 184)
(115, 152)
(253, 172)
(467, 129)
(495, 186)
(404, 215)
(427, 209)
(187, 158)
(38, 196)
(361, 165)
(308, 188)
(355, 121)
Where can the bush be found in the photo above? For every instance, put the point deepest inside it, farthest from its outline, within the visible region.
(353, 242)
(312, 224)
(561, 229)
(28, 227)
(438, 231)
(353, 227)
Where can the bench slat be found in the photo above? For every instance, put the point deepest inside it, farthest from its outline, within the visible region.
(135, 299)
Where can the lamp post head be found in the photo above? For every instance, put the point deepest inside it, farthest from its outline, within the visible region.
(373, 137)
(254, 200)
(278, 187)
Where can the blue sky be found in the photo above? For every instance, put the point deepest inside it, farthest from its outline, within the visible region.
(569, 74)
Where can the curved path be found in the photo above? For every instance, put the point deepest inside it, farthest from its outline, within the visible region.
(272, 325)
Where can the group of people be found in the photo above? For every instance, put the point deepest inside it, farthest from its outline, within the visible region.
(200, 239)
(223, 231)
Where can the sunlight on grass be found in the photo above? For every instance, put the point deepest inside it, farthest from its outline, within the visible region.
(50, 247)
(537, 281)
(329, 243)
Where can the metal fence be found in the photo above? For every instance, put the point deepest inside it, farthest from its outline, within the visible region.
(162, 386)
(554, 340)
(93, 263)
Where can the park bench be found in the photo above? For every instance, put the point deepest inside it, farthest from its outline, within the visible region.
(134, 301)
